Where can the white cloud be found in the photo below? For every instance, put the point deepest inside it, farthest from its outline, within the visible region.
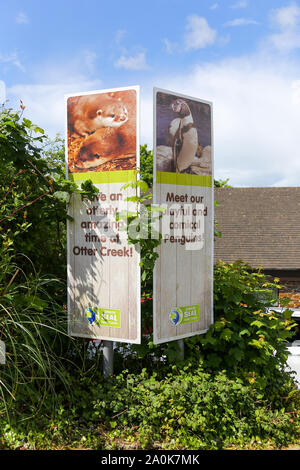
(241, 22)
(170, 46)
(44, 97)
(137, 62)
(223, 40)
(199, 34)
(12, 59)
(286, 17)
(89, 58)
(287, 20)
(214, 6)
(22, 18)
(45, 102)
(296, 92)
(239, 4)
(255, 105)
(120, 34)
(285, 41)
(2, 92)
(256, 117)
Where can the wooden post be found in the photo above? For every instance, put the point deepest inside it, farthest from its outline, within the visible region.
(180, 343)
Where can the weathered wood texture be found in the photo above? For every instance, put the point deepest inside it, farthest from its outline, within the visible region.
(183, 277)
(101, 280)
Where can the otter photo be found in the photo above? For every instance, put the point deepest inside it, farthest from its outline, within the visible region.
(183, 135)
(102, 131)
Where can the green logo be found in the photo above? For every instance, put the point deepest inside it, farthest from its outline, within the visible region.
(184, 315)
(103, 317)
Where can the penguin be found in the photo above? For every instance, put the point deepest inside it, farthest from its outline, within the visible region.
(185, 143)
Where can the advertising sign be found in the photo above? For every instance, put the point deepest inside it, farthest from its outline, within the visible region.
(183, 185)
(102, 144)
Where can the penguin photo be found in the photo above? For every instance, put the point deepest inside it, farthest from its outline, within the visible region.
(183, 135)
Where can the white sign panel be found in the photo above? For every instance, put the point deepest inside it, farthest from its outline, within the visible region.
(183, 185)
(103, 268)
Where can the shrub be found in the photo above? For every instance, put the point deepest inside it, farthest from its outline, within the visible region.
(244, 339)
(185, 408)
(34, 193)
(33, 196)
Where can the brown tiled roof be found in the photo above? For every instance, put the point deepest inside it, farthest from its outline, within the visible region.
(261, 226)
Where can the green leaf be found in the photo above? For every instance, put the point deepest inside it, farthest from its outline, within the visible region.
(257, 323)
(244, 332)
(226, 334)
(144, 186)
(61, 195)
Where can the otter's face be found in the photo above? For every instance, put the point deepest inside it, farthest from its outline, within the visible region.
(181, 107)
(111, 116)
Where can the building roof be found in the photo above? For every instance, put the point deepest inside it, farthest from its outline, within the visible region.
(261, 226)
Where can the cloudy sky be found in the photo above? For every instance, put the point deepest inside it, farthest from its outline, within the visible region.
(243, 55)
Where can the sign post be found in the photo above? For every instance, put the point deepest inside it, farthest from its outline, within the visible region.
(102, 145)
(183, 185)
(108, 358)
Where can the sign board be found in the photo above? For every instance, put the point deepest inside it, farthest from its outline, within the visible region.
(183, 185)
(102, 144)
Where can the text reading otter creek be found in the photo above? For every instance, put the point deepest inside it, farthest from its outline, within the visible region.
(103, 251)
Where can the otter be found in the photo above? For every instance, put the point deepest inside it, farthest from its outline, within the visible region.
(185, 141)
(104, 145)
(91, 112)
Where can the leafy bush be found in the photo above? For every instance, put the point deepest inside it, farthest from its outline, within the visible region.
(186, 408)
(146, 165)
(33, 196)
(33, 193)
(244, 339)
(190, 408)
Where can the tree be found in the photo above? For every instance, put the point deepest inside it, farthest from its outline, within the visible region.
(33, 192)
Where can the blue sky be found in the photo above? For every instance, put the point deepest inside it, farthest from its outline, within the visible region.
(243, 55)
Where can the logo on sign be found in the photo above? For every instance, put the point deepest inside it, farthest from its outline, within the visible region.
(103, 317)
(90, 315)
(176, 316)
(184, 315)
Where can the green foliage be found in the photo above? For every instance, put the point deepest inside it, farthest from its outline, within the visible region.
(219, 184)
(141, 227)
(31, 324)
(244, 339)
(34, 192)
(146, 165)
(185, 408)
(222, 183)
(33, 212)
(189, 408)
(19, 139)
